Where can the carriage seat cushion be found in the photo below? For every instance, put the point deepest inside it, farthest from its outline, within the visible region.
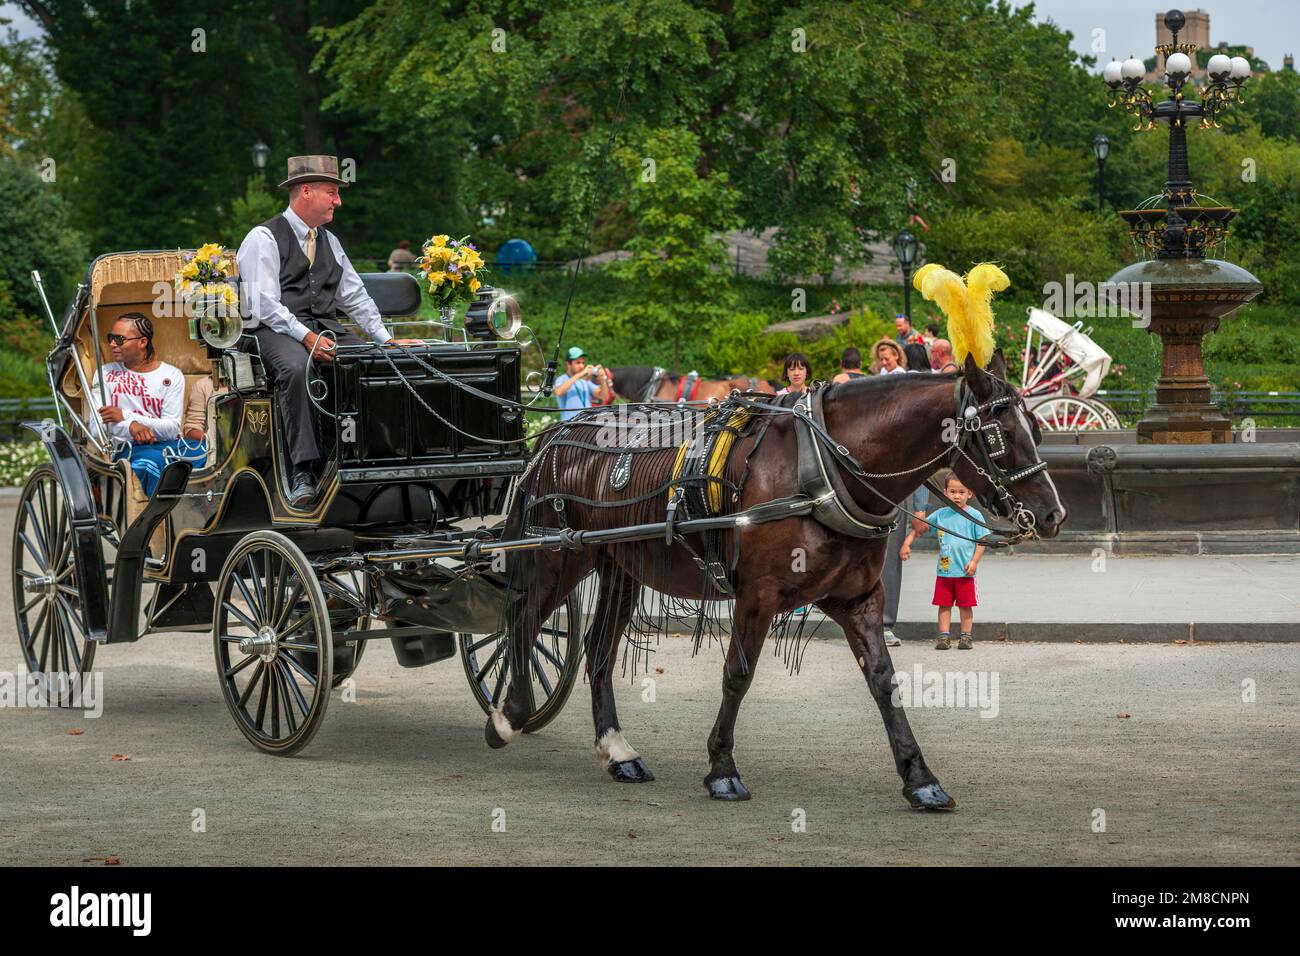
(396, 294)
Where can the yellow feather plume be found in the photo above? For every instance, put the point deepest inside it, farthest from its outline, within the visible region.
(967, 304)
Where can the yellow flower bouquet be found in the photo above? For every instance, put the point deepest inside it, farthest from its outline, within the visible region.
(451, 267)
(204, 282)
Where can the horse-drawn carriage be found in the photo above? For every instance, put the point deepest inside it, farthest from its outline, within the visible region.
(432, 517)
(288, 591)
(1061, 372)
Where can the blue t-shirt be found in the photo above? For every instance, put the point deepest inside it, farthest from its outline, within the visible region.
(955, 553)
(576, 398)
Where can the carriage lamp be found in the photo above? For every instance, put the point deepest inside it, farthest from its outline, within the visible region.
(493, 315)
(1101, 149)
(905, 249)
(261, 153)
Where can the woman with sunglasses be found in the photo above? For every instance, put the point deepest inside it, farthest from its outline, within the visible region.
(145, 398)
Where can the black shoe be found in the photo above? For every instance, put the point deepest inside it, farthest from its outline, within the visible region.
(302, 485)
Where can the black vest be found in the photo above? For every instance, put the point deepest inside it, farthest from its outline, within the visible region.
(306, 290)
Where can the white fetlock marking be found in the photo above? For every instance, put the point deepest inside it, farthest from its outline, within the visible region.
(502, 726)
(613, 746)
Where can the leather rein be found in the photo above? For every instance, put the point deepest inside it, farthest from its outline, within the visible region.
(979, 440)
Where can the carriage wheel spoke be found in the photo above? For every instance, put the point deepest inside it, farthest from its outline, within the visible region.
(235, 669)
(297, 665)
(280, 615)
(241, 615)
(248, 598)
(36, 527)
(45, 625)
(501, 679)
(252, 683)
(294, 628)
(257, 588)
(36, 553)
(31, 604)
(275, 574)
(478, 678)
(280, 680)
(70, 618)
(36, 629)
(546, 652)
(541, 676)
(487, 640)
(274, 676)
(290, 682)
(261, 700)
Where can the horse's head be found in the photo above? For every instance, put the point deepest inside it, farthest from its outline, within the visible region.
(999, 460)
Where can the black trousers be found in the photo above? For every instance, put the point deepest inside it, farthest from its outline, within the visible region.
(285, 361)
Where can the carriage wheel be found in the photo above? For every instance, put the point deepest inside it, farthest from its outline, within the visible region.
(1068, 414)
(46, 596)
(554, 664)
(345, 595)
(274, 646)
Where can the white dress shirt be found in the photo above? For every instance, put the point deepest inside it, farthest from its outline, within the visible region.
(259, 273)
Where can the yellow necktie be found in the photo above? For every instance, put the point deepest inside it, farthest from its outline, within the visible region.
(311, 246)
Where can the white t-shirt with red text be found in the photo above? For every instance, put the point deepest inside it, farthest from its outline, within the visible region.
(155, 399)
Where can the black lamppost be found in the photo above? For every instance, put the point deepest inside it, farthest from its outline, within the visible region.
(1101, 149)
(905, 248)
(261, 152)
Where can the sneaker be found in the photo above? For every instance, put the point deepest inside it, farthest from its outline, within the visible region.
(891, 639)
(943, 643)
(964, 643)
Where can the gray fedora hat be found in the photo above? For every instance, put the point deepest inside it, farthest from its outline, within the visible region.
(312, 169)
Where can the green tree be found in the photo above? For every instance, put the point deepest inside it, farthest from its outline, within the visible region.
(34, 234)
(675, 211)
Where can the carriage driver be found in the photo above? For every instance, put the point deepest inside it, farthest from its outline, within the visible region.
(297, 282)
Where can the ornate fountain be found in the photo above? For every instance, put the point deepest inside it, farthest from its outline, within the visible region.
(1186, 294)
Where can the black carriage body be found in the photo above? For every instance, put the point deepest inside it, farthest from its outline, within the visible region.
(384, 432)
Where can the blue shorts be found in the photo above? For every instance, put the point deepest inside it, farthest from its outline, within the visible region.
(148, 461)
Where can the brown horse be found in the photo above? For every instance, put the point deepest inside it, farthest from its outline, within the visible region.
(897, 427)
(644, 383)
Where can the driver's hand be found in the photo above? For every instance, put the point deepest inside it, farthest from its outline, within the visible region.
(324, 351)
(142, 434)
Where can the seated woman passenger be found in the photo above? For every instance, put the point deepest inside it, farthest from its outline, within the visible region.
(145, 396)
(194, 426)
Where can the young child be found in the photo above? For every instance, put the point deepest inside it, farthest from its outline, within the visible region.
(958, 559)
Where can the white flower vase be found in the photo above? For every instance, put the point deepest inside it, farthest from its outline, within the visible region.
(445, 315)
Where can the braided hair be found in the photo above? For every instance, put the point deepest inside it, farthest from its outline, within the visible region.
(143, 326)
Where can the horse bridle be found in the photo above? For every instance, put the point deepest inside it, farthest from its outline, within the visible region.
(981, 443)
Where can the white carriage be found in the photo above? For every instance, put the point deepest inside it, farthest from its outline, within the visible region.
(1062, 369)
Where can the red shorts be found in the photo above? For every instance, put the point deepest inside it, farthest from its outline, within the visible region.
(958, 591)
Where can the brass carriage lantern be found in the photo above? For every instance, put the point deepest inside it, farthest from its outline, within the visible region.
(1183, 294)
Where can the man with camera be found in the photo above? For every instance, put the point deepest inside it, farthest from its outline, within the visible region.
(580, 382)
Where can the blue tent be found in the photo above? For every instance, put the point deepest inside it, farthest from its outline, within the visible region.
(515, 255)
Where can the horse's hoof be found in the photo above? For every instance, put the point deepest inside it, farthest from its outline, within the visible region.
(630, 771)
(494, 739)
(929, 796)
(726, 788)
